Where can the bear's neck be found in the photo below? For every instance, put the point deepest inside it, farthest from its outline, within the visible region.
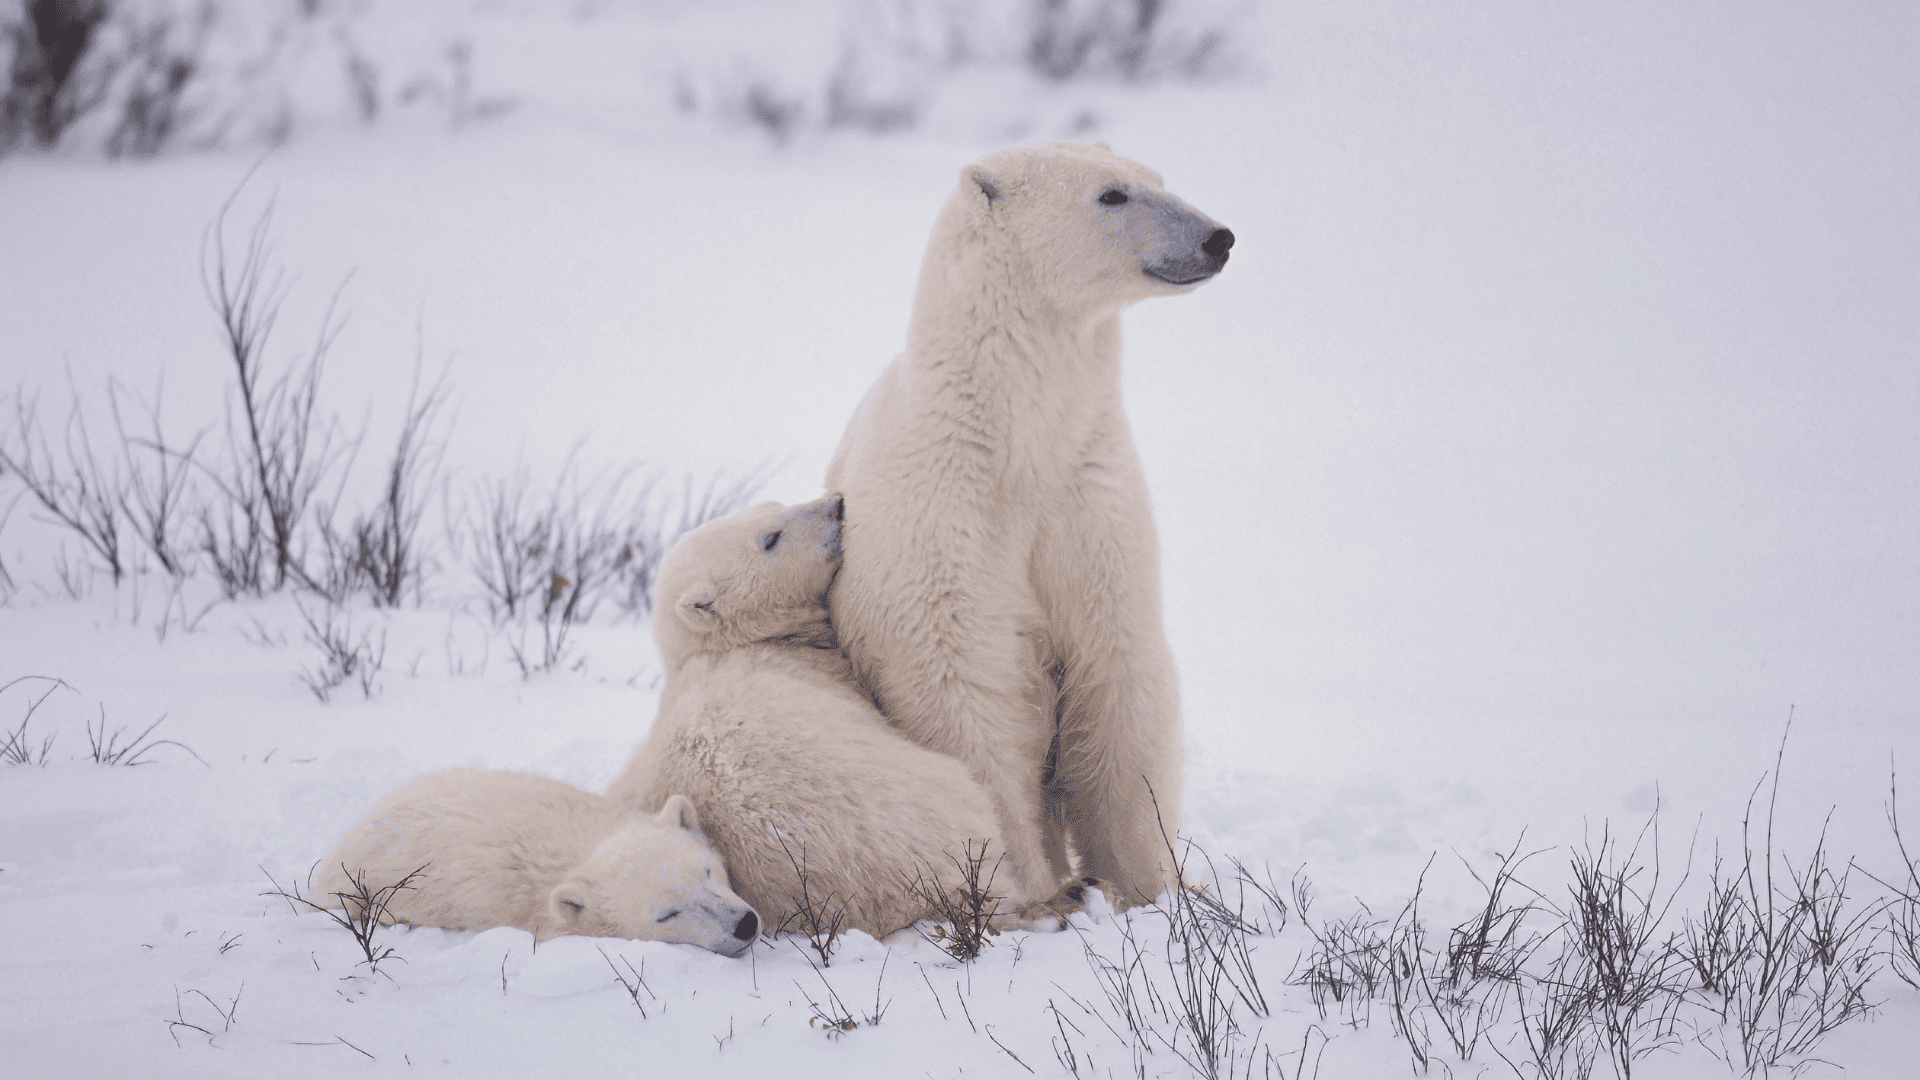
(984, 331)
(810, 654)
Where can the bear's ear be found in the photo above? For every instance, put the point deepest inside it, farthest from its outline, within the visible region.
(695, 607)
(679, 813)
(982, 179)
(1101, 146)
(566, 904)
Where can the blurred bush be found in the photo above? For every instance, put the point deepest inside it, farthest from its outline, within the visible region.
(139, 77)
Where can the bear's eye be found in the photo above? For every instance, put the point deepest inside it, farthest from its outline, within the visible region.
(669, 915)
(768, 541)
(1113, 196)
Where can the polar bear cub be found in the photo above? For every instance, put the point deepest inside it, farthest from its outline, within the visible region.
(792, 768)
(500, 848)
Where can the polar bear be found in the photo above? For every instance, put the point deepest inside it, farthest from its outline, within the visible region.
(501, 848)
(794, 772)
(1001, 594)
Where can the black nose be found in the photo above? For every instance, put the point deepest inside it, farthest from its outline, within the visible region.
(839, 508)
(1218, 243)
(748, 927)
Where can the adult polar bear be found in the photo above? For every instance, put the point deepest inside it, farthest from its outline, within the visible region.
(1001, 590)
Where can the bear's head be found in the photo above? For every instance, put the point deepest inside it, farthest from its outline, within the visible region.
(655, 879)
(759, 574)
(1088, 230)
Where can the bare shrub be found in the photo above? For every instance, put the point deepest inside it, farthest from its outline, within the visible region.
(1347, 967)
(362, 75)
(1789, 959)
(965, 914)
(659, 522)
(821, 918)
(1635, 974)
(454, 91)
(279, 449)
(163, 55)
(1459, 990)
(585, 542)
(1496, 942)
(344, 655)
(8, 587)
(17, 749)
(116, 748)
(154, 501)
(554, 558)
(895, 58)
(381, 552)
(1131, 40)
(50, 85)
(83, 491)
(835, 1018)
(510, 545)
(1808, 963)
(1903, 910)
(1271, 895)
(632, 980)
(225, 1014)
(1555, 1011)
(1196, 997)
(362, 911)
(1209, 963)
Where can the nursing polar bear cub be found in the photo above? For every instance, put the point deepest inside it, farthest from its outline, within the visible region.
(1001, 594)
(499, 848)
(762, 726)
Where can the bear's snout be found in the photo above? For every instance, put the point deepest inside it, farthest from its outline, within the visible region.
(748, 928)
(1217, 245)
(819, 521)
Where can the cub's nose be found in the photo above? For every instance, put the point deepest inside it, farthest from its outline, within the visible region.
(748, 927)
(1217, 244)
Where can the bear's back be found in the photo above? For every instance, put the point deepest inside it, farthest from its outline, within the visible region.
(487, 845)
(790, 765)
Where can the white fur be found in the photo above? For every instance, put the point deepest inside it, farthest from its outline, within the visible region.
(762, 726)
(499, 848)
(1002, 573)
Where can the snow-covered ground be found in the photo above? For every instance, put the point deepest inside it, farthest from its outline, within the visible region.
(1549, 441)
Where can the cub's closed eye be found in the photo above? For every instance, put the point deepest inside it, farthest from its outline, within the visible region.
(1113, 196)
(669, 915)
(768, 542)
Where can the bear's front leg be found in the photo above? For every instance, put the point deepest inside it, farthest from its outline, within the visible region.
(1118, 776)
(1121, 758)
(1000, 728)
(962, 678)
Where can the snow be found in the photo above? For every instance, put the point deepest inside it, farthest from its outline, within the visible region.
(1547, 444)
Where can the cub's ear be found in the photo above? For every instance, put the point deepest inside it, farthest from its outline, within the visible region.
(695, 608)
(1101, 146)
(566, 904)
(982, 179)
(679, 813)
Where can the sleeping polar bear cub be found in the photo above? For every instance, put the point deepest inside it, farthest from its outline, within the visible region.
(762, 726)
(500, 848)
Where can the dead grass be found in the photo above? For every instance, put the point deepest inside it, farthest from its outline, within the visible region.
(362, 912)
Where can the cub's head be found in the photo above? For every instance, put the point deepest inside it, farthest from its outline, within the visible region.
(655, 879)
(759, 574)
(1091, 231)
